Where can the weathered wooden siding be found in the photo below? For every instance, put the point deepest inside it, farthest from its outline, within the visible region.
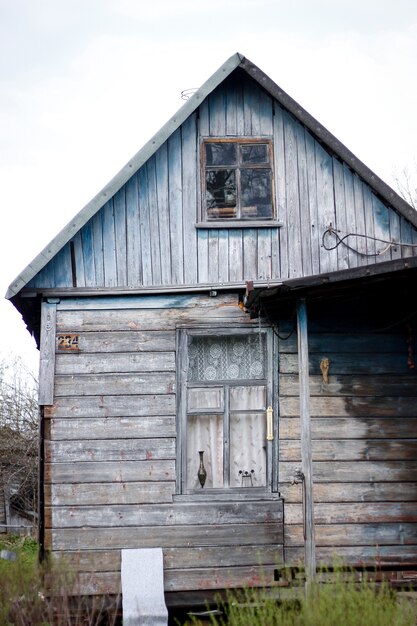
(364, 443)
(110, 453)
(146, 236)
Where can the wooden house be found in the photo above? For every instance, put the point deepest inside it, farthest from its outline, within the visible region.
(227, 354)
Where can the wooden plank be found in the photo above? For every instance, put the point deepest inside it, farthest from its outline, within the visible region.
(88, 254)
(213, 256)
(217, 112)
(265, 114)
(352, 428)
(382, 228)
(361, 244)
(108, 406)
(282, 268)
(181, 558)
(370, 364)
(167, 536)
(264, 260)
(112, 428)
(313, 219)
(110, 471)
(145, 226)
(109, 245)
(306, 451)
(359, 556)
(175, 207)
(359, 471)
(190, 513)
(109, 493)
(76, 321)
(202, 251)
(154, 222)
(189, 198)
(293, 200)
(305, 224)
(395, 234)
(159, 301)
(97, 225)
(352, 450)
(235, 260)
(340, 208)
(125, 341)
(249, 242)
(382, 385)
(354, 492)
(369, 226)
(133, 245)
(114, 384)
(110, 450)
(333, 535)
(223, 252)
(352, 406)
(47, 354)
(120, 235)
(79, 260)
(186, 580)
(381, 343)
(358, 513)
(161, 159)
(115, 362)
(231, 111)
(325, 202)
(62, 268)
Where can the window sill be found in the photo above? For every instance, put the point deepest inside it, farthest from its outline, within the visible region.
(236, 495)
(240, 224)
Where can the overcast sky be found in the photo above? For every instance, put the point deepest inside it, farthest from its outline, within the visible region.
(84, 83)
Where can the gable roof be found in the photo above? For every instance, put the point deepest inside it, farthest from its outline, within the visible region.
(237, 60)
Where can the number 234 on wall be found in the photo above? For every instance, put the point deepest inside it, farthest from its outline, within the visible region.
(68, 341)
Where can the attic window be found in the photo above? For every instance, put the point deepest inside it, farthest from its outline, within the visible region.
(237, 180)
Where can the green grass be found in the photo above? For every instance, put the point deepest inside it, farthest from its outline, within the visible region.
(34, 595)
(343, 602)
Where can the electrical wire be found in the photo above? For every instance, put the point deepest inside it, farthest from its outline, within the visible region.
(342, 240)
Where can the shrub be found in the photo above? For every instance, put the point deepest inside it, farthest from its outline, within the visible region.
(33, 595)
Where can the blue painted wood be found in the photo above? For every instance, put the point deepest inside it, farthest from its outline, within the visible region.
(161, 168)
(63, 269)
(120, 235)
(109, 245)
(146, 235)
(340, 207)
(154, 223)
(189, 156)
(79, 260)
(97, 228)
(134, 237)
(88, 255)
(145, 229)
(175, 207)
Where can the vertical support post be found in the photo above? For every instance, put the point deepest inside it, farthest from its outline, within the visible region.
(47, 354)
(306, 453)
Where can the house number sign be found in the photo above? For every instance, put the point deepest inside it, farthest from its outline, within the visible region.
(67, 341)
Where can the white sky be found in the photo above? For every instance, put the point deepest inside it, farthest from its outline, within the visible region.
(84, 83)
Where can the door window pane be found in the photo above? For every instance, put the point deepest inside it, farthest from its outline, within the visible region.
(238, 357)
(247, 398)
(247, 450)
(205, 433)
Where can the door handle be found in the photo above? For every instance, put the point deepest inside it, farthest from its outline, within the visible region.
(270, 424)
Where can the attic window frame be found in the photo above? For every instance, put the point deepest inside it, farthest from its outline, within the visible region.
(237, 221)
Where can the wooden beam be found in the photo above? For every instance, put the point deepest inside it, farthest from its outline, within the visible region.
(47, 354)
(306, 452)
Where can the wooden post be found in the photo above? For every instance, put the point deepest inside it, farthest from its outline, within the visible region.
(306, 454)
(47, 354)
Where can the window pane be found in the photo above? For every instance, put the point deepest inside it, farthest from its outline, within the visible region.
(205, 432)
(200, 399)
(224, 153)
(256, 190)
(228, 357)
(254, 153)
(247, 450)
(221, 193)
(247, 398)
